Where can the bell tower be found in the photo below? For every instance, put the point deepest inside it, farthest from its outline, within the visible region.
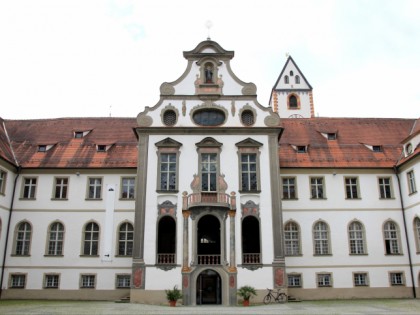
(291, 96)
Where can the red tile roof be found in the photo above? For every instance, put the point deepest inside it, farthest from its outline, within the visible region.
(350, 149)
(68, 152)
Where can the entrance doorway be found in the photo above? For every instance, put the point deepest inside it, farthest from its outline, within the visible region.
(209, 288)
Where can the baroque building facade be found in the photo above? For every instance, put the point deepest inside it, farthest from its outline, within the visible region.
(209, 190)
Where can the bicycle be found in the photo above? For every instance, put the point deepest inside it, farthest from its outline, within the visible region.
(278, 296)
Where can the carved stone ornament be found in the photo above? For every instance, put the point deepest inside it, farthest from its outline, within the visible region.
(167, 89)
(272, 120)
(249, 89)
(250, 208)
(144, 121)
(167, 208)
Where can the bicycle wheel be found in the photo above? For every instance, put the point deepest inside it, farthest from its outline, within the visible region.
(267, 299)
(282, 298)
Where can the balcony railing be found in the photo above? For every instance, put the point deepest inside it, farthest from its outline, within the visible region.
(208, 259)
(209, 198)
(251, 258)
(165, 259)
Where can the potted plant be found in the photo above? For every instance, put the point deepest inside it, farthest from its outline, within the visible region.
(245, 292)
(173, 295)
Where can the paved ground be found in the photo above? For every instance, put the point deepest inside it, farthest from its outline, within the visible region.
(350, 307)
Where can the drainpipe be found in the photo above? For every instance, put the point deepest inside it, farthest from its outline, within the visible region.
(406, 234)
(7, 231)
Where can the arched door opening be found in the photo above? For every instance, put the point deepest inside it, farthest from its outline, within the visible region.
(208, 241)
(251, 250)
(166, 241)
(209, 288)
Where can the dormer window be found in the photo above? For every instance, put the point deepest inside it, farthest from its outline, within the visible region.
(331, 136)
(80, 134)
(408, 148)
(376, 148)
(302, 149)
(102, 148)
(44, 147)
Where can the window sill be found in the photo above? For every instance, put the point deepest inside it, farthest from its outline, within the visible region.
(59, 199)
(322, 255)
(159, 191)
(17, 255)
(318, 198)
(250, 191)
(27, 199)
(89, 256)
(127, 199)
(396, 254)
(93, 199)
(361, 254)
(290, 199)
(49, 255)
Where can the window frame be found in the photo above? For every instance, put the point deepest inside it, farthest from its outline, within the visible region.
(122, 275)
(350, 194)
(322, 276)
(385, 189)
(167, 146)
(291, 193)
(27, 241)
(92, 251)
(411, 182)
(390, 242)
(357, 276)
(295, 242)
(126, 241)
(392, 277)
(322, 242)
(29, 194)
(416, 230)
(125, 189)
(95, 186)
(3, 181)
(58, 244)
(89, 285)
(289, 105)
(356, 242)
(61, 187)
(45, 284)
(294, 276)
(316, 186)
(19, 275)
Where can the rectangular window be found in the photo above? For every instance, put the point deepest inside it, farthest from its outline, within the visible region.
(411, 182)
(51, 281)
(294, 281)
(17, 281)
(95, 188)
(87, 281)
(360, 279)
(351, 188)
(128, 188)
(385, 187)
(208, 172)
(168, 170)
(396, 278)
(289, 189)
(29, 188)
(249, 179)
(61, 187)
(317, 188)
(3, 175)
(324, 280)
(123, 281)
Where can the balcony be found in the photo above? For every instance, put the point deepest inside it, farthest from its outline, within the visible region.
(208, 259)
(214, 199)
(165, 259)
(251, 258)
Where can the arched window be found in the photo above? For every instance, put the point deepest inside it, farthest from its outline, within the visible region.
(125, 239)
(297, 79)
(286, 79)
(356, 238)
(417, 232)
(321, 235)
(166, 244)
(251, 250)
(91, 239)
(55, 239)
(391, 238)
(23, 239)
(291, 239)
(293, 102)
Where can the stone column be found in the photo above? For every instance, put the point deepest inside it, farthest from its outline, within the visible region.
(185, 253)
(232, 265)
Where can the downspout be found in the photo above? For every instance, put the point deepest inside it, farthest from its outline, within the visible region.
(8, 230)
(406, 234)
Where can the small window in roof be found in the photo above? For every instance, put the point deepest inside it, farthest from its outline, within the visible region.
(408, 148)
(331, 136)
(302, 149)
(42, 148)
(376, 148)
(78, 134)
(101, 148)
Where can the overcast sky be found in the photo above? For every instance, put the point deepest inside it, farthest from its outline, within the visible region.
(95, 58)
